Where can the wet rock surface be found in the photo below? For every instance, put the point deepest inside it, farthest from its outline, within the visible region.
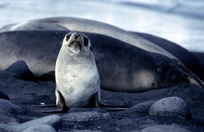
(170, 106)
(40, 128)
(23, 112)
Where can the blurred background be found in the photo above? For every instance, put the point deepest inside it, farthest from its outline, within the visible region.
(180, 21)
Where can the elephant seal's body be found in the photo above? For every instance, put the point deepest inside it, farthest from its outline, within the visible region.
(122, 67)
(84, 25)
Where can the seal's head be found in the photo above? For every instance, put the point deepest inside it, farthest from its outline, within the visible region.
(76, 42)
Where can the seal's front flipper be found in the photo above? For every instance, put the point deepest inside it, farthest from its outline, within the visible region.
(94, 101)
(48, 76)
(52, 108)
(48, 106)
(60, 106)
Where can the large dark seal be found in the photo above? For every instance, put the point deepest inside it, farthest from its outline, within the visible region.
(77, 77)
(84, 25)
(122, 67)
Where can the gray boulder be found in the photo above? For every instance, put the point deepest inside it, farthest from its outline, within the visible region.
(54, 120)
(171, 106)
(40, 128)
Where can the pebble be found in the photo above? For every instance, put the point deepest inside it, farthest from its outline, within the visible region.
(53, 120)
(164, 128)
(170, 106)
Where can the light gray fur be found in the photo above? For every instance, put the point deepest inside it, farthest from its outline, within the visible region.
(77, 77)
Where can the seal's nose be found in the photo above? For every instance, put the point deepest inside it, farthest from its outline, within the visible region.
(76, 35)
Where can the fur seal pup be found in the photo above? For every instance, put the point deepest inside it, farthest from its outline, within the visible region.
(77, 77)
(122, 67)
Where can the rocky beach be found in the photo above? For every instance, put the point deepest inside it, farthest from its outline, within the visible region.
(178, 108)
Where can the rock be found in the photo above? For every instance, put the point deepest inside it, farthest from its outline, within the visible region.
(40, 128)
(6, 107)
(170, 106)
(86, 116)
(20, 70)
(164, 128)
(54, 120)
(3, 96)
(142, 108)
(7, 118)
(3, 130)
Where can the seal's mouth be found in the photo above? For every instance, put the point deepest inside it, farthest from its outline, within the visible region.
(74, 42)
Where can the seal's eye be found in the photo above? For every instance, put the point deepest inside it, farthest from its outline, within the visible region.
(86, 41)
(67, 37)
